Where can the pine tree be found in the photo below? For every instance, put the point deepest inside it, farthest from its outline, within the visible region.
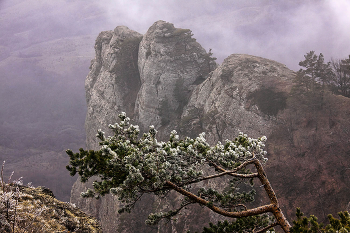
(341, 77)
(310, 225)
(129, 166)
(314, 72)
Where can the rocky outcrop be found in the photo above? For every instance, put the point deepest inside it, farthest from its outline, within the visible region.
(244, 94)
(32, 209)
(151, 79)
(111, 87)
(173, 83)
(113, 81)
(171, 63)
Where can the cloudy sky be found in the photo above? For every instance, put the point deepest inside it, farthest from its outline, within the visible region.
(280, 30)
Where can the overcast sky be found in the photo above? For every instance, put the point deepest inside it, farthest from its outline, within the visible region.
(281, 30)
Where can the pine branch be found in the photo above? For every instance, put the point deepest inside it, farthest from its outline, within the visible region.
(250, 212)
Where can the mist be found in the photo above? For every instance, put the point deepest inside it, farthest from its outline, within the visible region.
(46, 48)
(280, 30)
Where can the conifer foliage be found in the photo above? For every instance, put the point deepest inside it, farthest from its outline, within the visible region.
(341, 76)
(317, 74)
(311, 225)
(314, 72)
(130, 166)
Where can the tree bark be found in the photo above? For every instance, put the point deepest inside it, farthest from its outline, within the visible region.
(277, 212)
(240, 214)
(272, 208)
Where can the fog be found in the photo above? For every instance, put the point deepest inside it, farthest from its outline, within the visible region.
(280, 30)
(46, 48)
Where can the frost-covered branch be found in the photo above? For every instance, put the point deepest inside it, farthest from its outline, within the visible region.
(129, 165)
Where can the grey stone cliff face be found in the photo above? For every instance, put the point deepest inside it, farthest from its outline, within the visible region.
(111, 87)
(113, 81)
(170, 61)
(165, 78)
(241, 95)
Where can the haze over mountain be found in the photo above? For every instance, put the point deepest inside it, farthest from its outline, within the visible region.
(46, 48)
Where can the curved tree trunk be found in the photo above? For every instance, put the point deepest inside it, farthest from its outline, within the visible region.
(272, 208)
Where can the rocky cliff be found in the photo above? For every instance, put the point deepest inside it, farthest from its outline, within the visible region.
(113, 81)
(151, 78)
(244, 94)
(170, 62)
(167, 79)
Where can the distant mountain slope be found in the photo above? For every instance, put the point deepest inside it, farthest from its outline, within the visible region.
(43, 62)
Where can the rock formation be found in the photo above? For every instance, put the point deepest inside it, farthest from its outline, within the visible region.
(113, 81)
(170, 62)
(111, 87)
(149, 77)
(167, 79)
(32, 209)
(244, 94)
